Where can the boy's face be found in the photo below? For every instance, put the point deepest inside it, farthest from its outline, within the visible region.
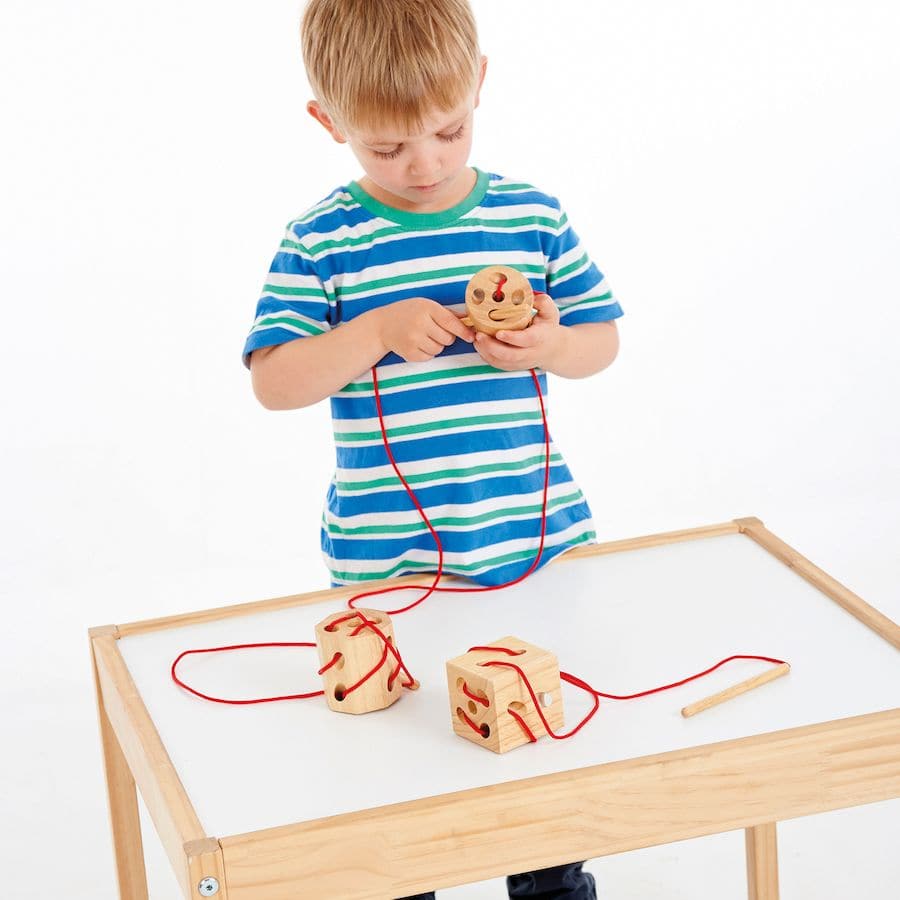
(422, 172)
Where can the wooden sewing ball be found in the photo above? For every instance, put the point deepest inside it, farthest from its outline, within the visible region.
(360, 649)
(498, 298)
(483, 696)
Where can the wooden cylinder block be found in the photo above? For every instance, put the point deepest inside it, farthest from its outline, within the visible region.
(484, 696)
(357, 649)
(499, 298)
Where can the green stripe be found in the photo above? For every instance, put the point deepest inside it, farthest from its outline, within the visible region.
(468, 567)
(293, 245)
(361, 386)
(414, 527)
(566, 307)
(513, 186)
(324, 246)
(425, 477)
(496, 224)
(343, 200)
(282, 290)
(443, 425)
(565, 271)
(420, 277)
(289, 320)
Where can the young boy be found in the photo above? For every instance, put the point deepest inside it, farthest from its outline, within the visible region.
(374, 275)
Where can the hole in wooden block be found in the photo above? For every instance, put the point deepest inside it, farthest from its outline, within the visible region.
(517, 707)
(485, 730)
(472, 707)
(546, 699)
(340, 692)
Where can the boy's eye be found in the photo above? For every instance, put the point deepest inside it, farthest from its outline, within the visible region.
(456, 134)
(393, 154)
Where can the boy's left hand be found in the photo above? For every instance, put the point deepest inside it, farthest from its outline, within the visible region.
(530, 348)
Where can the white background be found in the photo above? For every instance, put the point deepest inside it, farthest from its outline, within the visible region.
(731, 167)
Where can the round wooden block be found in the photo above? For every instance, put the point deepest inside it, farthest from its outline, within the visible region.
(360, 651)
(499, 298)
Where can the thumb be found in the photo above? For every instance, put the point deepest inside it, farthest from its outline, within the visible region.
(545, 306)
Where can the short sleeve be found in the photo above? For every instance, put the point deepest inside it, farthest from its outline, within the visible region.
(295, 301)
(575, 284)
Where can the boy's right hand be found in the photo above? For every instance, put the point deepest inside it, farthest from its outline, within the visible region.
(419, 329)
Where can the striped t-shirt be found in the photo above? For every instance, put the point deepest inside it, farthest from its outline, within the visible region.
(467, 437)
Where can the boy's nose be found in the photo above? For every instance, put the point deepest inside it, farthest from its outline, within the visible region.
(424, 166)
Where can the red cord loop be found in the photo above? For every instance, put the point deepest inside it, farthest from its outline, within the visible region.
(196, 693)
(433, 587)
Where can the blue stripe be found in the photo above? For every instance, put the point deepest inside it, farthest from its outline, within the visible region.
(504, 386)
(462, 493)
(413, 247)
(455, 541)
(449, 445)
(332, 220)
(270, 337)
(495, 199)
(595, 314)
(492, 577)
(316, 310)
(287, 263)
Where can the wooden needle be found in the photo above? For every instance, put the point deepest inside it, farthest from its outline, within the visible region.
(736, 689)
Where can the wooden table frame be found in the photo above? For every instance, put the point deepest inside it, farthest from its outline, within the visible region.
(486, 832)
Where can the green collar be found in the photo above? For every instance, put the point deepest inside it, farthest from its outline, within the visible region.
(422, 220)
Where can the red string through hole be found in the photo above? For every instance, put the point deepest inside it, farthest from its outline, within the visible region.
(498, 295)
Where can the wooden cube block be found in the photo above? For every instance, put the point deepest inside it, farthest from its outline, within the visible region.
(355, 651)
(481, 696)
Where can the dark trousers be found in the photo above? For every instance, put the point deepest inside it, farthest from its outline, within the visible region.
(556, 883)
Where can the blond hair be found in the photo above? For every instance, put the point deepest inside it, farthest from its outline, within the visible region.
(375, 61)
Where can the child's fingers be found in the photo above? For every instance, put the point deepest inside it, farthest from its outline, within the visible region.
(430, 346)
(451, 322)
(441, 335)
(498, 354)
(527, 337)
(546, 308)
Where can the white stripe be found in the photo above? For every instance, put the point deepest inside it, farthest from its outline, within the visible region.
(597, 304)
(429, 557)
(459, 511)
(449, 364)
(288, 314)
(430, 414)
(463, 464)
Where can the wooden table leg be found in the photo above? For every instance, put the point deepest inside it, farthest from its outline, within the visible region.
(762, 862)
(123, 808)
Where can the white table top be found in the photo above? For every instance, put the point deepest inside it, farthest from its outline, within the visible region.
(624, 622)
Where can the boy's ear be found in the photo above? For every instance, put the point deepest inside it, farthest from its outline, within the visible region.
(322, 117)
(480, 79)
